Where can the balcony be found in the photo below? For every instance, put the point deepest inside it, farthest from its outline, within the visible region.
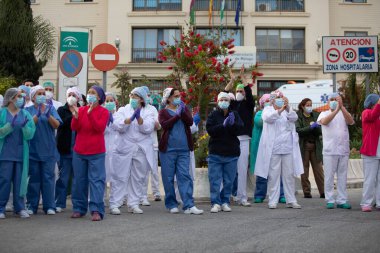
(157, 5)
(230, 5)
(145, 55)
(281, 56)
(280, 5)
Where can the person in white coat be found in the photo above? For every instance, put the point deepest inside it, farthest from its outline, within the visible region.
(133, 155)
(336, 150)
(279, 154)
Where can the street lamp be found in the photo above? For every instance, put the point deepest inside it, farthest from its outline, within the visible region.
(117, 43)
(319, 43)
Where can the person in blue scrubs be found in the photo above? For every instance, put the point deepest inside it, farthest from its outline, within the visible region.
(16, 128)
(43, 153)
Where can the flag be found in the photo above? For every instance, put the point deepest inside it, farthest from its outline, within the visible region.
(210, 12)
(222, 10)
(192, 13)
(237, 15)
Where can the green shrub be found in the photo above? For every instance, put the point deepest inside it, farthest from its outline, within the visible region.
(201, 151)
(6, 83)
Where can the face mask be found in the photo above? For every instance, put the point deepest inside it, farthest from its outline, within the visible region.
(110, 106)
(41, 99)
(333, 105)
(239, 96)
(308, 109)
(176, 101)
(223, 104)
(279, 102)
(49, 95)
(72, 100)
(134, 103)
(266, 104)
(91, 98)
(19, 102)
(81, 103)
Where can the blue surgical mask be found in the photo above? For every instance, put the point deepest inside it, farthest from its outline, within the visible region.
(333, 105)
(134, 103)
(41, 99)
(111, 106)
(223, 104)
(279, 102)
(91, 98)
(19, 102)
(308, 109)
(176, 101)
(266, 104)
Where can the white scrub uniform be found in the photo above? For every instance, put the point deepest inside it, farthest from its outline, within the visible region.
(132, 157)
(242, 167)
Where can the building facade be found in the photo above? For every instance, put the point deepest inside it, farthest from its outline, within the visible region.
(286, 33)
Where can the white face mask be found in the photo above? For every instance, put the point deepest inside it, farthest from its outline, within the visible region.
(49, 95)
(72, 100)
(239, 96)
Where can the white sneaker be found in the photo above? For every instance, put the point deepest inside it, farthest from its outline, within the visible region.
(144, 202)
(115, 211)
(135, 210)
(235, 199)
(29, 211)
(294, 205)
(59, 210)
(226, 208)
(215, 208)
(245, 203)
(9, 208)
(24, 214)
(50, 212)
(2, 216)
(174, 210)
(193, 210)
(272, 206)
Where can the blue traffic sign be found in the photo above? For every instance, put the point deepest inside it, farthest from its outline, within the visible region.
(71, 63)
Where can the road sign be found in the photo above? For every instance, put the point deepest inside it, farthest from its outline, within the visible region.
(105, 57)
(350, 54)
(71, 63)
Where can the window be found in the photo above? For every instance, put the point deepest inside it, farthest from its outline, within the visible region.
(146, 43)
(32, 1)
(355, 1)
(285, 46)
(228, 33)
(280, 5)
(81, 1)
(356, 34)
(157, 5)
(267, 86)
(230, 5)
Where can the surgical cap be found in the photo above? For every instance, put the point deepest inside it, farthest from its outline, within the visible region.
(240, 86)
(146, 89)
(140, 91)
(101, 94)
(371, 100)
(112, 95)
(9, 95)
(74, 90)
(223, 95)
(264, 98)
(48, 84)
(333, 95)
(166, 95)
(25, 88)
(232, 96)
(34, 90)
(278, 94)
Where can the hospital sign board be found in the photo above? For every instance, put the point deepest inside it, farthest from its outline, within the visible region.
(342, 54)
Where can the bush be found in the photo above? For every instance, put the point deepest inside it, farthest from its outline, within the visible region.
(6, 83)
(201, 151)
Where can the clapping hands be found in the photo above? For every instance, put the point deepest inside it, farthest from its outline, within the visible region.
(230, 120)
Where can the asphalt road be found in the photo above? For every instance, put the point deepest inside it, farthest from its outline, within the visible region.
(245, 229)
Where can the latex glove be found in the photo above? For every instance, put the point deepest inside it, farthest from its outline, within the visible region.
(38, 114)
(196, 119)
(110, 120)
(47, 111)
(226, 120)
(49, 102)
(179, 110)
(25, 122)
(14, 121)
(231, 117)
(137, 113)
(314, 125)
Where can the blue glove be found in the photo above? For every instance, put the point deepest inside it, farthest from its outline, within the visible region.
(197, 119)
(110, 120)
(231, 117)
(179, 110)
(38, 114)
(49, 102)
(226, 120)
(47, 111)
(137, 113)
(14, 121)
(314, 125)
(25, 122)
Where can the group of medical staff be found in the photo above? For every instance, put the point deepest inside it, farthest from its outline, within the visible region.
(92, 143)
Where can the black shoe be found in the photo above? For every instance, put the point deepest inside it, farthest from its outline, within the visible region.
(322, 196)
(307, 196)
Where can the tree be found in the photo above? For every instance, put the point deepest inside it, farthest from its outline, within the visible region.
(26, 43)
(123, 83)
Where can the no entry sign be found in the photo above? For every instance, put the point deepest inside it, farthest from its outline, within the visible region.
(104, 57)
(349, 54)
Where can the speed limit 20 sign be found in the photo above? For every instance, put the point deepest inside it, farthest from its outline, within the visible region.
(349, 54)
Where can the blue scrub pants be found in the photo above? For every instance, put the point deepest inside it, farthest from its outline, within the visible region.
(61, 186)
(10, 173)
(176, 163)
(261, 188)
(41, 181)
(221, 169)
(89, 172)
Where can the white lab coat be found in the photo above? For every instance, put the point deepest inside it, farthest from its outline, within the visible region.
(109, 136)
(270, 116)
(57, 104)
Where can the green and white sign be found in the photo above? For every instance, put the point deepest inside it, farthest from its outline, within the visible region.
(73, 59)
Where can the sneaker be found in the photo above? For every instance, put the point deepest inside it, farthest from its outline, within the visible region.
(96, 216)
(235, 199)
(144, 202)
(307, 196)
(76, 215)
(366, 209)
(29, 211)
(115, 211)
(135, 210)
(50, 212)
(245, 203)
(215, 208)
(157, 198)
(294, 205)
(193, 210)
(59, 210)
(272, 206)
(282, 200)
(226, 208)
(9, 208)
(259, 200)
(24, 214)
(174, 210)
(344, 206)
(330, 206)
(2, 216)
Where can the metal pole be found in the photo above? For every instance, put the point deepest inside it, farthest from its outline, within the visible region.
(105, 81)
(367, 82)
(334, 81)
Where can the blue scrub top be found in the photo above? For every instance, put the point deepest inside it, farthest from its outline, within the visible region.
(43, 146)
(177, 136)
(13, 142)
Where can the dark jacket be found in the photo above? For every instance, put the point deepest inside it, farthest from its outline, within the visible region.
(64, 132)
(223, 140)
(167, 122)
(245, 109)
(303, 129)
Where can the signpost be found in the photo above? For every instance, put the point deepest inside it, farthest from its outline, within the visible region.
(244, 55)
(105, 57)
(349, 55)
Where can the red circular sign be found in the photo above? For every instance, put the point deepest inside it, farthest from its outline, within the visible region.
(349, 55)
(104, 57)
(333, 55)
